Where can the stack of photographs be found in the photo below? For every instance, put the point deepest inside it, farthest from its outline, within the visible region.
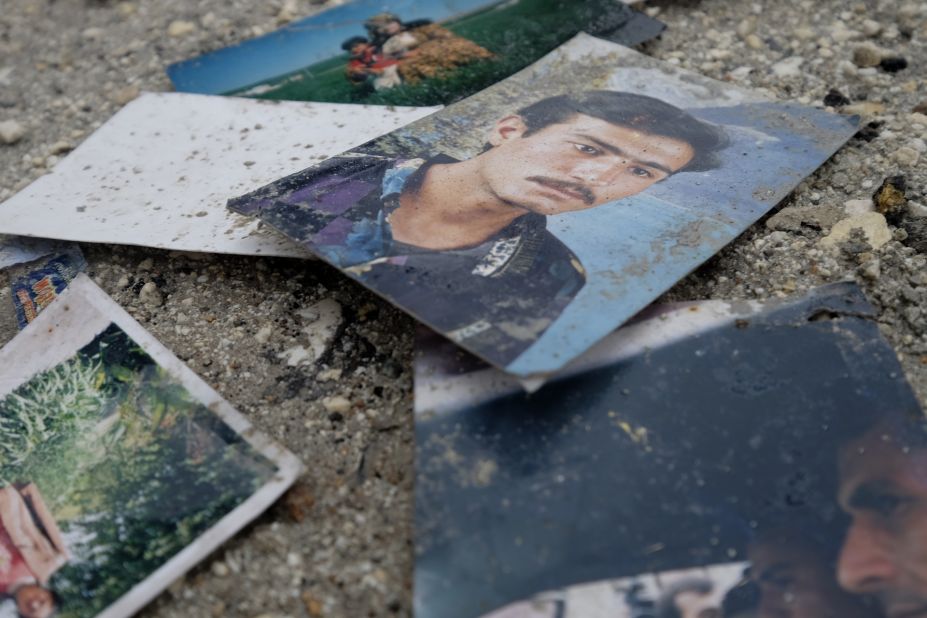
(707, 460)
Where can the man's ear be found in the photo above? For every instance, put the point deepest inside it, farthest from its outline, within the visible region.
(508, 128)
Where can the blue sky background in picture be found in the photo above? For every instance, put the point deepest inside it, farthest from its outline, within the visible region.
(301, 43)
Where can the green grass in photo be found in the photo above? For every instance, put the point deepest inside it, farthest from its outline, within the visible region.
(132, 467)
(518, 32)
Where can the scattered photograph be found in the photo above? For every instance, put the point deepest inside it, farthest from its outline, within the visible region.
(36, 284)
(171, 194)
(714, 591)
(119, 468)
(768, 464)
(524, 226)
(404, 52)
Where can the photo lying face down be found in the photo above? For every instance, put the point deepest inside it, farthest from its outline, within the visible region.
(505, 221)
(762, 464)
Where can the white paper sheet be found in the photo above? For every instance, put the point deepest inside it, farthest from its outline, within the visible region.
(159, 172)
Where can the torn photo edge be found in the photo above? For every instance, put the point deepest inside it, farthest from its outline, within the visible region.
(457, 432)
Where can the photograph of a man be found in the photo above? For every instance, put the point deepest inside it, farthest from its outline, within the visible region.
(463, 244)
(883, 487)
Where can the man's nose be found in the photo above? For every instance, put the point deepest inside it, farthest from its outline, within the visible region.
(600, 173)
(865, 564)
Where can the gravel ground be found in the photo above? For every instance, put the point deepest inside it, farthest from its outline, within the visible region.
(340, 543)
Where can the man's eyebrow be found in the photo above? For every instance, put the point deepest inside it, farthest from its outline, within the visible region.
(618, 151)
(869, 495)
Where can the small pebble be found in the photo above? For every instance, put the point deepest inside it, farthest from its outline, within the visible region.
(871, 269)
(125, 8)
(263, 335)
(890, 197)
(329, 374)
(835, 98)
(865, 108)
(867, 55)
(60, 148)
(11, 132)
(220, 569)
(873, 225)
(893, 64)
(871, 27)
(746, 27)
(917, 211)
(869, 131)
(150, 295)
(337, 404)
(124, 95)
(754, 42)
(790, 67)
(93, 34)
(180, 28)
(906, 156)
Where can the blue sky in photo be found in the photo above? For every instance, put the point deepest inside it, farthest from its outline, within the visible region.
(301, 44)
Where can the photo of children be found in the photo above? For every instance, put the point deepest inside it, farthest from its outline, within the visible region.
(769, 465)
(396, 53)
(404, 52)
(116, 475)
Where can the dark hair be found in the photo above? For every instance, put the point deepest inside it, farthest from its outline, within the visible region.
(55, 597)
(666, 606)
(634, 111)
(745, 596)
(349, 44)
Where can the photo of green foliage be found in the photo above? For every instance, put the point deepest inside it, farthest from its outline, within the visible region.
(518, 32)
(132, 467)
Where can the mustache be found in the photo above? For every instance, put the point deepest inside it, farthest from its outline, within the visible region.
(574, 187)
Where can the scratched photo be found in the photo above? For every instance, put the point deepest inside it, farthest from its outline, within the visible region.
(526, 226)
(717, 460)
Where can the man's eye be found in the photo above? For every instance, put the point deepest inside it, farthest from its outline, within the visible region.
(640, 172)
(887, 505)
(585, 149)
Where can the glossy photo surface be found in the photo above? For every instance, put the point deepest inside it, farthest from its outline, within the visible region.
(713, 460)
(527, 226)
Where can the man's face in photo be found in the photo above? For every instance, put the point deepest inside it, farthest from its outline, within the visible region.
(796, 582)
(576, 164)
(883, 487)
